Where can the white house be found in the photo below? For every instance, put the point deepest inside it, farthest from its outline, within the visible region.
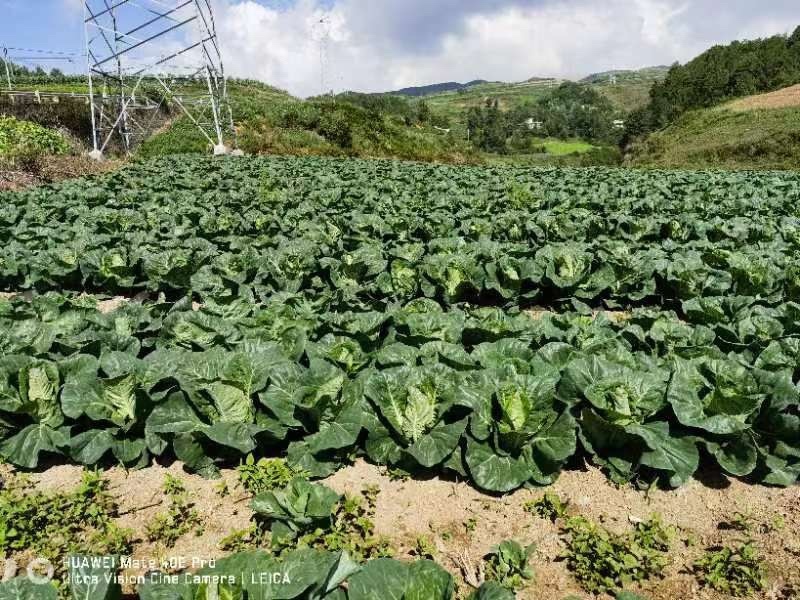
(533, 124)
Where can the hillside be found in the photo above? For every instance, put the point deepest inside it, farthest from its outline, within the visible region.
(629, 92)
(71, 113)
(644, 75)
(785, 98)
(717, 76)
(268, 121)
(760, 132)
(436, 88)
(454, 105)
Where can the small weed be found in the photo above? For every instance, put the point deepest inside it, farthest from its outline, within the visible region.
(56, 525)
(241, 540)
(222, 489)
(507, 564)
(265, 475)
(550, 506)
(735, 571)
(424, 548)
(778, 523)
(179, 519)
(740, 522)
(397, 474)
(691, 539)
(628, 596)
(471, 524)
(603, 562)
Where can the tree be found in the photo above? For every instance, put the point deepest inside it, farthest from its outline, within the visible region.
(722, 73)
(487, 127)
(794, 39)
(423, 112)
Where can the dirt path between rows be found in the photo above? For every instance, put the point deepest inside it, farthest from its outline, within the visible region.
(53, 169)
(440, 509)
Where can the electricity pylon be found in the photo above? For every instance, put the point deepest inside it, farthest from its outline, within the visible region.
(147, 56)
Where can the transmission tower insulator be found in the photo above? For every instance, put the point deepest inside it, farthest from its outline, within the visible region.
(148, 57)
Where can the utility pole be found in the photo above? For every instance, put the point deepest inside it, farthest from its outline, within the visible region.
(8, 70)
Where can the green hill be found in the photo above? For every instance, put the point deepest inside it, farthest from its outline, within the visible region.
(269, 121)
(725, 137)
(719, 75)
(436, 88)
(628, 92)
(454, 105)
(645, 75)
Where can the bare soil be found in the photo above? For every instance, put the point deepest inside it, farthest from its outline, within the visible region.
(440, 510)
(785, 98)
(52, 169)
(12, 180)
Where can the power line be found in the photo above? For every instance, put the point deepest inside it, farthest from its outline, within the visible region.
(39, 51)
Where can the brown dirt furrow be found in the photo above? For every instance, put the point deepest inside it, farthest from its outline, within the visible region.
(439, 509)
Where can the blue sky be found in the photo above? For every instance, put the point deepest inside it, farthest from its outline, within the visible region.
(374, 45)
(46, 24)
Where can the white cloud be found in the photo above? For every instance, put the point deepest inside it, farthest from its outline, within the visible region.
(764, 27)
(508, 41)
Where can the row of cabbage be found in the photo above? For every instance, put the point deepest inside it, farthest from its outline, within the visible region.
(384, 232)
(502, 398)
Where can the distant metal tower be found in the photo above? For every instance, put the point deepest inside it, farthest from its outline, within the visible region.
(146, 55)
(322, 33)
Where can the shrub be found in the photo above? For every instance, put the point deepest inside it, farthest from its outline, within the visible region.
(24, 140)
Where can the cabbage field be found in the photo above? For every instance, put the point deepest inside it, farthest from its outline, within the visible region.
(493, 325)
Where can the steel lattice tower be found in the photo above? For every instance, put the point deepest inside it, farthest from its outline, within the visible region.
(146, 56)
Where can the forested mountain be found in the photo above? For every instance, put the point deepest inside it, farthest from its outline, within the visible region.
(720, 74)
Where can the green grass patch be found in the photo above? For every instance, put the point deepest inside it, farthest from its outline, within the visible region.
(550, 506)
(721, 138)
(179, 519)
(566, 147)
(508, 565)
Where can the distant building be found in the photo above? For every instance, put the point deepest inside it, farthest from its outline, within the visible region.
(533, 124)
(619, 124)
